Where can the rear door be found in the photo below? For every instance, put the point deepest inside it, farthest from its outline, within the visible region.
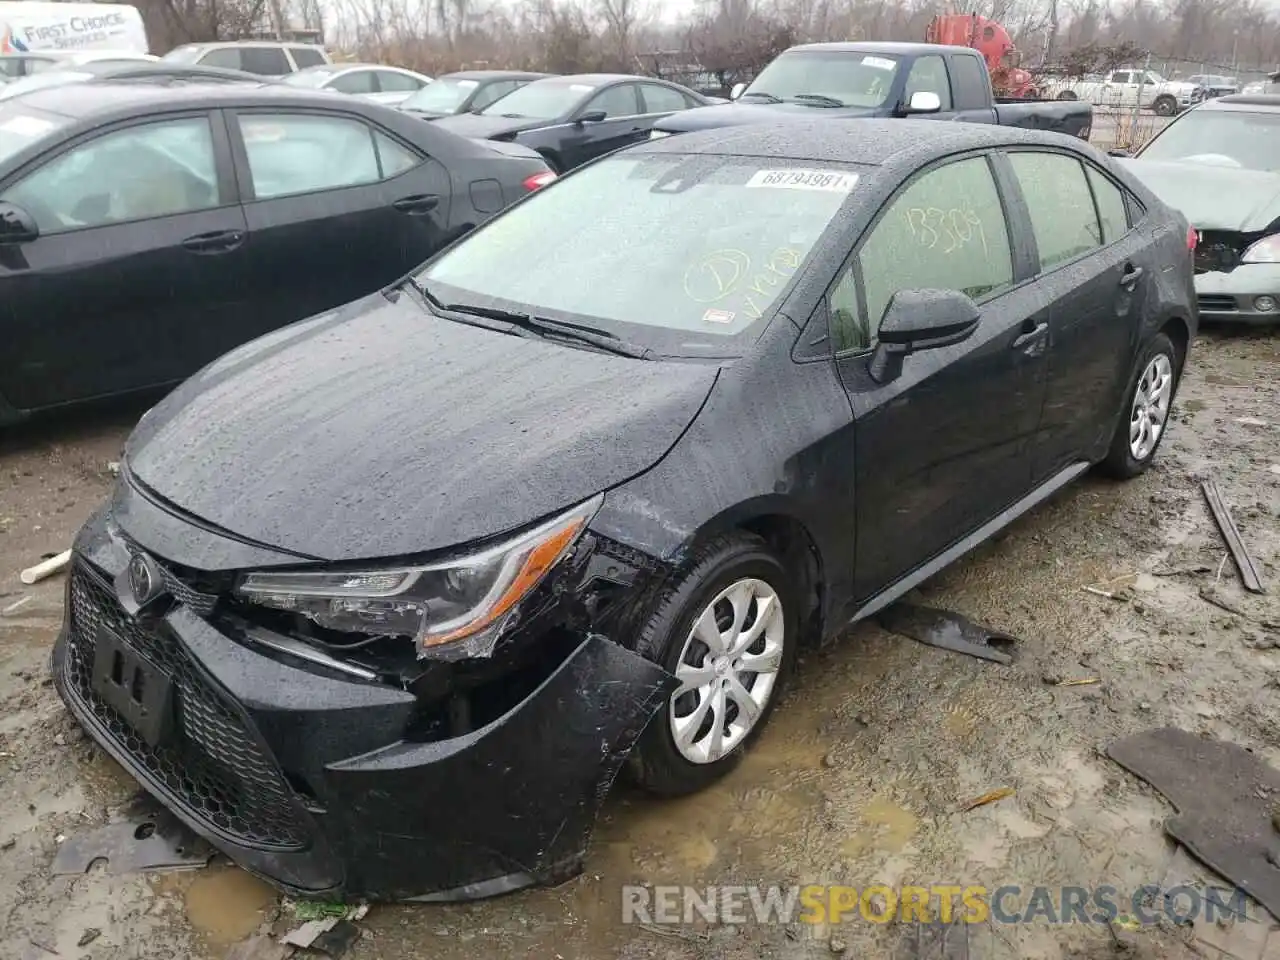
(139, 270)
(1095, 271)
(336, 208)
(624, 124)
(943, 447)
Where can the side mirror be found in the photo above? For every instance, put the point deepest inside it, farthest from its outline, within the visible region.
(918, 320)
(591, 116)
(16, 225)
(738, 90)
(924, 101)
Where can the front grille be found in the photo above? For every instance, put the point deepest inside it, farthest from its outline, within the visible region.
(1216, 302)
(211, 764)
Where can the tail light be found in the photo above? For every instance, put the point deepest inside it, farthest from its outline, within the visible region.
(1193, 238)
(539, 179)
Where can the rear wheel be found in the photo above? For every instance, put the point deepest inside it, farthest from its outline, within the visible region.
(727, 631)
(1166, 106)
(1066, 95)
(1147, 405)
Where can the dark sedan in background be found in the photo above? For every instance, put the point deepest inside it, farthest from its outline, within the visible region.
(1219, 163)
(570, 120)
(146, 229)
(466, 91)
(115, 71)
(382, 602)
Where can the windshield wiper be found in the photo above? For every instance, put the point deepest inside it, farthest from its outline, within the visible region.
(545, 326)
(820, 98)
(771, 97)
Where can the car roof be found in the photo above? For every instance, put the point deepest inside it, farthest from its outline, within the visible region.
(853, 140)
(901, 48)
(345, 65)
(495, 75)
(596, 79)
(1243, 102)
(82, 101)
(210, 44)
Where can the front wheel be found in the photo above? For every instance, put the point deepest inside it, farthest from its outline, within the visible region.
(1066, 95)
(1147, 403)
(1166, 106)
(727, 631)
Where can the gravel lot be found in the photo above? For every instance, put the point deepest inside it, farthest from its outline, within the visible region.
(857, 780)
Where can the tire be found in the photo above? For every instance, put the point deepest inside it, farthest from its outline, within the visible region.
(1066, 95)
(1127, 457)
(1165, 106)
(735, 562)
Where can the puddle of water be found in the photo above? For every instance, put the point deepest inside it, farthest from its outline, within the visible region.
(888, 828)
(224, 904)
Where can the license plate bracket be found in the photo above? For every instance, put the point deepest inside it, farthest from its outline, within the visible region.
(133, 686)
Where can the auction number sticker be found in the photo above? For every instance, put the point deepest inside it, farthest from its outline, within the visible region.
(880, 63)
(804, 180)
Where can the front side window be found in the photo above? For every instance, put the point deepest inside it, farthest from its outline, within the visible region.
(619, 101)
(686, 251)
(153, 170)
(1220, 138)
(1058, 198)
(491, 93)
(265, 61)
(929, 75)
(305, 57)
(826, 79)
(226, 57)
(1122, 76)
(356, 81)
(945, 231)
(292, 154)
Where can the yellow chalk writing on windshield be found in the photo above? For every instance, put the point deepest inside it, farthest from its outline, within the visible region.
(781, 266)
(716, 275)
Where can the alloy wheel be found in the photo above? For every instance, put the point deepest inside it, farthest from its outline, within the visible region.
(727, 670)
(1150, 411)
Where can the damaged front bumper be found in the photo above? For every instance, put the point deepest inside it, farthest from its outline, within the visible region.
(325, 783)
(1249, 293)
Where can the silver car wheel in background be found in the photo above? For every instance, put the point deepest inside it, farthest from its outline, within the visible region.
(1150, 411)
(727, 669)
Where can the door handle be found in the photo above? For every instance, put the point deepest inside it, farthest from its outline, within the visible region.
(1030, 338)
(417, 205)
(1131, 275)
(220, 241)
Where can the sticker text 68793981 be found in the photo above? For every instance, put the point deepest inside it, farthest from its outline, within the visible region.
(804, 180)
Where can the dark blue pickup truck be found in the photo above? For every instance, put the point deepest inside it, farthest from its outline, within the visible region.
(923, 80)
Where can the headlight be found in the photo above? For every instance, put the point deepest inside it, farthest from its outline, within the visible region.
(658, 134)
(1266, 250)
(452, 610)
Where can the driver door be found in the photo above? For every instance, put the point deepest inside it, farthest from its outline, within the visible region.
(138, 264)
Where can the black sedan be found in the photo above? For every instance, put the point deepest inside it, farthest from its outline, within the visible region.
(116, 71)
(194, 218)
(466, 91)
(382, 602)
(570, 120)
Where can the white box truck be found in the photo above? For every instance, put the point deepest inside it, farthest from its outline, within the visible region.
(48, 27)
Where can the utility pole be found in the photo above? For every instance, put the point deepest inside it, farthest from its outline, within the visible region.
(1142, 82)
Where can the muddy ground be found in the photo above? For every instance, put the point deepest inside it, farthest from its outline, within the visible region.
(857, 780)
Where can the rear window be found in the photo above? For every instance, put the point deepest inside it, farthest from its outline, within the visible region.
(20, 127)
(701, 246)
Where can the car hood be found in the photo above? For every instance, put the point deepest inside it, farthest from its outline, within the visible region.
(482, 127)
(1211, 197)
(738, 114)
(380, 430)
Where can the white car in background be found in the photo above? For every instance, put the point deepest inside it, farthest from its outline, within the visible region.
(1128, 88)
(373, 81)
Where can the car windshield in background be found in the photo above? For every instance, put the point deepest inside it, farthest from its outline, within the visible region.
(20, 127)
(853, 79)
(441, 96)
(311, 77)
(1227, 138)
(540, 100)
(699, 245)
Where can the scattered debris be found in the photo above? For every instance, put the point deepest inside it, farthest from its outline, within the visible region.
(258, 947)
(674, 933)
(1082, 682)
(15, 606)
(45, 568)
(337, 940)
(1231, 534)
(113, 467)
(1184, 571)
(148, 838)
(991, 796)
(319, 909)
(90, 935)
(1105, 593)
(305, 934)
(1211, 595)
(837, 945)
(947, 631)
(9, 844)
(936, 940)
(1251, 421)
(1220, 792)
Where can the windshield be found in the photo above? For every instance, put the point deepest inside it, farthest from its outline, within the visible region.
(699, 247)
(311, 77)
(854, 79)
(20, 127)
(1249, 141)
(540, 100)
(184, 54)
(441, 96)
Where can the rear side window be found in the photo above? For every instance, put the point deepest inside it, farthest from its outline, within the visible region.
(227, 57)
(944, 231)
(266, 61)
(970, 83)
(293, 154)
(306, 56)
(659, 99)
(357, 81)
(1060, 203)
(391, 82)
(394, 156)
(1111, 206)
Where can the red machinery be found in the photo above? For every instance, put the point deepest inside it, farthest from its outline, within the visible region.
(994, 43)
